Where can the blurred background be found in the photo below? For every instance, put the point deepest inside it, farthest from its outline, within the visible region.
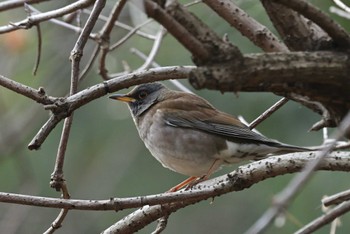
(105, 157)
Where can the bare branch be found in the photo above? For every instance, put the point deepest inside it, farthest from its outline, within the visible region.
(129, 34)
(259, 34)
(57, 223)
(123, 26)
(334, 30)
(11, 4)
(238, 180)
(268, 113)
(105, 34)
(243, 177)
(76, 54)
(35, 19)
(154, 50)
(64, 107)
(282, 199)
(176, 83)
(297, 32)
(38, 56)
(36, 95)
(177, 30)
(325, 219)
(336, 199)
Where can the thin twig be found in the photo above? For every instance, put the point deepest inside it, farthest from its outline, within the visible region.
(105, 36)
(64, 24)
(268, 113)
(57, 223)
(38, 56)
(336, 199)
(37, 18)
(34, 94)
(281, 200)
(162, 222)
(339, 12)
(325, 219)
(57, 177)
(76, 54)
(176, 83)
(342, 5)
(154, 50)
(90, 63)
(123, 26)
(129, 34)
(11, 4)
(38, 31)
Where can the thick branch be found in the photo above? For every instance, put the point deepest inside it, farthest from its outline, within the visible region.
(334, 30)
(204, 44)
(242, 178)
(298, 33)
(318, 80)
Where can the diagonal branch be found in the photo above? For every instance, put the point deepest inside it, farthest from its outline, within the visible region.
(36, 95)
(334, 30)
(35, 19)
(65, 107)
(282, 200)
(259, 34)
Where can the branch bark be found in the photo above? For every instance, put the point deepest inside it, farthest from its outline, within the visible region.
(242, 178)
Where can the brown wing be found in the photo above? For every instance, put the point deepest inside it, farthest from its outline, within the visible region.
(198, 114)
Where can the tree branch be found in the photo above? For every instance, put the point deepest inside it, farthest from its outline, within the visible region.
(334, 30)
(65, 106)
(35, 19)
(36, 95)
(259, 34)
(242, 178)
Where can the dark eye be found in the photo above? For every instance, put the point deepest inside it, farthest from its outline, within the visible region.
(143, 94)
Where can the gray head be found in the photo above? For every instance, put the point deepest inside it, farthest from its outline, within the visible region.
(142, 97)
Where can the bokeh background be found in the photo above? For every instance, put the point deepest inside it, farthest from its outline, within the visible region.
(105, 157)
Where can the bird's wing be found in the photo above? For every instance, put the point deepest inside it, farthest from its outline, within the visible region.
(217, 123)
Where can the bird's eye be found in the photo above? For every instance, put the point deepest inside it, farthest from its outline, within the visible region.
(143, 94)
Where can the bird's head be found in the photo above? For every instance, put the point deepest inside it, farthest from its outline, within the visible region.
(142, 97)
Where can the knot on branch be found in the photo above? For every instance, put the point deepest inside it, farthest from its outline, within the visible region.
(57, 181)
(60, 108)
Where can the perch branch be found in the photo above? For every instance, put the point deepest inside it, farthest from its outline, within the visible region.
(282, 200)
(242, 178)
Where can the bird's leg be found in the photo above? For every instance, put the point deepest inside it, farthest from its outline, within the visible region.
(183, 184)
(193, 180)
(212, 169)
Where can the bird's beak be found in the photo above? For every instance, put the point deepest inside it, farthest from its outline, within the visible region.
(122, 97)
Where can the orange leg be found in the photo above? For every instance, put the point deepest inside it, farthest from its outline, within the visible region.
(193, 180)
(183, 184)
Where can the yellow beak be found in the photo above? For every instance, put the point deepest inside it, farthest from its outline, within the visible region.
(122, 97)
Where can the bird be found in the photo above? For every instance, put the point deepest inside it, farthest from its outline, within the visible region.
(188, 135)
